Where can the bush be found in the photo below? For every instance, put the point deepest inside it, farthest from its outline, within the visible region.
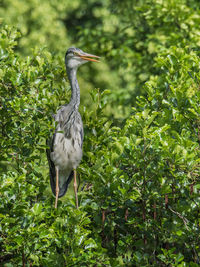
(145, 176)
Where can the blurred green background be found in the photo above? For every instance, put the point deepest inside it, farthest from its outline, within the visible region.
(128, 36)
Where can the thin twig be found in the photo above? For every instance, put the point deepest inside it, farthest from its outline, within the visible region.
(185, 221)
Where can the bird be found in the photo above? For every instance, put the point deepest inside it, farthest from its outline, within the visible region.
(65, 147)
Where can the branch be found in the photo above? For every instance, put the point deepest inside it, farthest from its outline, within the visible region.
(185, 221)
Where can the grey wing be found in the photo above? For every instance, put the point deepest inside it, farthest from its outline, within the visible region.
(78, 129)
(52, 170)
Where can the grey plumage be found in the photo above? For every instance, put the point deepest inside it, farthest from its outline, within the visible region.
(65, 152)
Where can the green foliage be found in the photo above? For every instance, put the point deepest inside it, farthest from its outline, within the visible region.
(140, 200)
(145, 175)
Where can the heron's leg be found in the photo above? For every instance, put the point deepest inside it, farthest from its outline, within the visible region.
(57, 186)
(75, 188)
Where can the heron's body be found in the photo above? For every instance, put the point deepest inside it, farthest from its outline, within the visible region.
(65, 151)
(68, 147)
(67, 143)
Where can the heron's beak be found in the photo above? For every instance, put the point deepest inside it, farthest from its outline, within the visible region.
(88, 57)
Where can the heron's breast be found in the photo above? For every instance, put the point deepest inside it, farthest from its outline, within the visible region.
(67, 152)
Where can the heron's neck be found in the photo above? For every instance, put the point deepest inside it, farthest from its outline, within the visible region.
(75, 97)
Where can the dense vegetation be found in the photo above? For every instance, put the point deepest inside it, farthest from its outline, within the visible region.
(140, 204)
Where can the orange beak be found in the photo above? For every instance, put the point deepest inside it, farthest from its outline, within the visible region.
(88, 57)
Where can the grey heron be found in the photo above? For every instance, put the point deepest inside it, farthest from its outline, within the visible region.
(65, 152)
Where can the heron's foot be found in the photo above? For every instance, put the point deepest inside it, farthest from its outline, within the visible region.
(56, 201)
(57, 187)
(75, 189)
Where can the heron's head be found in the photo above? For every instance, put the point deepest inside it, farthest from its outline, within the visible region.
(75, 57)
